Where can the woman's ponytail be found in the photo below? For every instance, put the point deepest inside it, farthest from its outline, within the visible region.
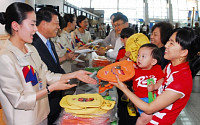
(2, 18)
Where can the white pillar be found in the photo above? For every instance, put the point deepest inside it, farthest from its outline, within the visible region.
(170, 12)
(31, 3)
(146, 12)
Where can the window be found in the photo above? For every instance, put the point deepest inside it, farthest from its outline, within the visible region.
(134, 9)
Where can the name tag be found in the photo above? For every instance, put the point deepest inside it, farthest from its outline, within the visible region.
(40, 85)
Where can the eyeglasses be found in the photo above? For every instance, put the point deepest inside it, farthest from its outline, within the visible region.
(114, 26)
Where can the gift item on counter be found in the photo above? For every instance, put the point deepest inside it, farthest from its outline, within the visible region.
(70, 119)
(86, 104)
(100, 62)
(95, 42)
(103, 86)
(92, 69)
(123, 69)
(133, 44)
(83, 51)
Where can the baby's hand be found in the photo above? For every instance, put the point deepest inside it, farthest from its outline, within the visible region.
(128, 53)
(151, 87)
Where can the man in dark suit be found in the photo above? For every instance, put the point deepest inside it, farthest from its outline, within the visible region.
(48, 25)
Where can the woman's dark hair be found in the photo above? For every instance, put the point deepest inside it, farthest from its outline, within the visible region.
(68, 18)
(127, 32)
(156, 52)
(165, 30)
(62, 23)
(188, 39)
(45, 14)
(15, 12)
(80, 19)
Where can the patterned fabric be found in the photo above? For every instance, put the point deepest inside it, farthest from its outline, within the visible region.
(72, 44)
(68, 50)
(60, 45)
(78, 41)
(30, 75)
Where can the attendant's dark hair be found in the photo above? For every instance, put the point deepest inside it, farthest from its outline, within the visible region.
(68, 18)
(62, 23)
(45, 14)
(156, 52)
(80, 19)
(15, 12)
(188, 39)
(127, 32)
(165, 31)
(120, 17)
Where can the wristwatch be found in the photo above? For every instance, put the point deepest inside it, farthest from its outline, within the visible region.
(48, 90)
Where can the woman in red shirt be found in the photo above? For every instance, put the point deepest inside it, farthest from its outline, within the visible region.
(183, 50)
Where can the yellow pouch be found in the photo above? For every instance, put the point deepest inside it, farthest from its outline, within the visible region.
(133, 44)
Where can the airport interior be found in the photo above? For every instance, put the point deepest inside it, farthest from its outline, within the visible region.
(142, 16)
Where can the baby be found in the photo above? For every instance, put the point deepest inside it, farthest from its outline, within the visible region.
(149, 55)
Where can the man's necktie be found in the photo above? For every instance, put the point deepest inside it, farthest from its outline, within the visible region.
(50, 50)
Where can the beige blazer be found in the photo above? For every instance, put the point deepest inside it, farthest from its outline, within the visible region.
(65, 41)
(18, 98)
(85, 37)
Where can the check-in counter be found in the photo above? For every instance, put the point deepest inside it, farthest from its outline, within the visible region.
(83, 88)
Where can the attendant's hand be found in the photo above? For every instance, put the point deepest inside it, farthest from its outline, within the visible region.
(101, 52)
(60, 85)
(72, 55)
(84, 47)
(75, 56)
(84, 77)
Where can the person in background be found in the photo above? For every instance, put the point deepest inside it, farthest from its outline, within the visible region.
(65, 54)
(66, 43)
(196, 25)
(120, 22)
(48, 26)
(124, 35)
(107, 29)
(80, 35)
(160, 34)
(148, 35)
(23, 75)
(110, 40)
(136, 28)
(124, 118)
(143, 29)
(182, 50)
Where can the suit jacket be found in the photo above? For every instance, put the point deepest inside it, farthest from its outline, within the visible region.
(18, 97)
(54, 97)
(46, 56)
